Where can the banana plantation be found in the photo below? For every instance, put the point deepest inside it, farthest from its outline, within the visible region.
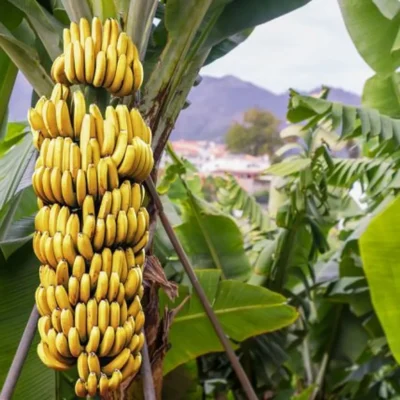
(123, 278)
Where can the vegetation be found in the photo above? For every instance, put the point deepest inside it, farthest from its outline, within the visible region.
(307, 292)
(257, 135)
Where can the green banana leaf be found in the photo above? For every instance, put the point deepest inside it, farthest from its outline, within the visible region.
(212, 239)
(373, 34)
(17, 286)
(242, 309)
(380, 253)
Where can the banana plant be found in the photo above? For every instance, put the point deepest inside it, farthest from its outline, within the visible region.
(174, 39)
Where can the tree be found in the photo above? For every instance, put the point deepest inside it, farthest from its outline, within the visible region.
(257, 135)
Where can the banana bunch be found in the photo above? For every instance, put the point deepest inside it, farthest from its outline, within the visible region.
(99, 55)
(92, 227)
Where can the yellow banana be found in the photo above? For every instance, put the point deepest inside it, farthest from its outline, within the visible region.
(85, 246)
(130, 257)
(95, 150)
(55, 180)
(79, 112)
(129, 159)
(102, 288)
(113, 287)
(141, 228)
(62, 219)
(70, 63)
(116, 202)
(106, 258)
(42, 246)
(127, 84)
(125, 189)
(99, 235)
(129, 368)
(97, 33)
(37, 182)
(89, 226)
(122, 43)
(103, 319)
(119, 342)
(49, 118)
(44, 325)
(78, 267)
(75, 160)
(117, 260)
(132, 283)
(62, 297)
(43, 150)
(124, 268)
(107, 341)
(141, 244)
(79, 61)
(67, 321)
(88, 207)
(92, 310)
(94, 339)
(80, 388)
(49, 251)
(74, 29)
(108, 144)
(119, 74)
(114, 33)
(136, 196)
(81, 187)
(129, 331)
(73, 290)
(122, 227)
(111, 66)
(111, 115)
(115, 315)
(103, 385)
(74, 343)
(84, 30)
(137, 74)
(36, 122)
(100, 71)
(42, 219)
(84, 293)
(62, 345)
(112, 174)
(121, 294)
(49, 360)
(124, 120)
(141, 292)
(132, 226)
(47, 185)
(94, 270)
(120, 148)
(73, 227)
(58, 246)
(94, 363)
(123, 313)
(91, 384)
(80, 321)
(58, 72)
(135, 307)
(66, 38)
(99, 123)
(105, 205)
(82, 366)
(51, 297)
(139, 321)
(69, 249)
(41, 301)
(111, 230)
(66, 154)
(48, 162)
(67, 189)
(62, 274)
(102, 177)
(115, 381)
(106, 35)
(131, 52)
(51, 341)
(120, 360)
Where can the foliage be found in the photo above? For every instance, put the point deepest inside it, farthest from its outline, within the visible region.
(257, 135)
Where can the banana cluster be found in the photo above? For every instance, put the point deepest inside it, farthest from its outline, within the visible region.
(92, 227)
(99, 55)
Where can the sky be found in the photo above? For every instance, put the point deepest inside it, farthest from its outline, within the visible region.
(302, 50)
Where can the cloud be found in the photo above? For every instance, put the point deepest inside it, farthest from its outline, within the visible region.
(304, 49)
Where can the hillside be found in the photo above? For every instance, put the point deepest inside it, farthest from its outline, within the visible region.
(215, 104)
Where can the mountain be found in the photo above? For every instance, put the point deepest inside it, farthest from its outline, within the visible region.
(218, 102)
(215, 104)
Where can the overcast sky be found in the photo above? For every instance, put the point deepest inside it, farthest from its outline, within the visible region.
(302, 50)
